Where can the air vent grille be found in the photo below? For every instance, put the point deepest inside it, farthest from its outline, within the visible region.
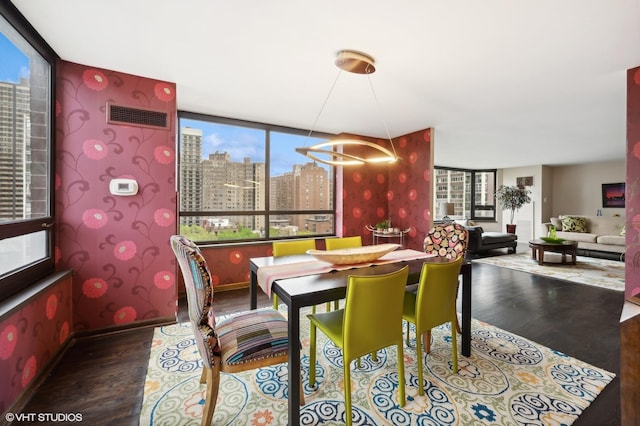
(118, 114)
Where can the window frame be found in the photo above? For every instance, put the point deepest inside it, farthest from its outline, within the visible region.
(268, 211)
(473, 207)
(27, 275)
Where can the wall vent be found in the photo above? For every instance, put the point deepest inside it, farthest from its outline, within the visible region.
(118, 114)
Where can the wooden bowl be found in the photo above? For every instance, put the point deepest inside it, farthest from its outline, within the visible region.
(355, 255)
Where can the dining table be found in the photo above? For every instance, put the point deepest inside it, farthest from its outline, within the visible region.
(301, 281)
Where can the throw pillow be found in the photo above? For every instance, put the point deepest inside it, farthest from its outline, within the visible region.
(557, 222)
(574, 224)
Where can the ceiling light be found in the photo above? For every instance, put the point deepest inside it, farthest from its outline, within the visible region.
(357, 63)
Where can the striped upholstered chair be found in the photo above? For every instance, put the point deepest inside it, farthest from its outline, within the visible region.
(244, 341)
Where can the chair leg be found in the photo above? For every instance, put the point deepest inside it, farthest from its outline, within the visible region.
(454, 350)
(213, 383)
(203, 377)
(408, 327)
(275, 301)
(458, 329)
(347, 392)
(312, 355)
(427, 342)
(419, 361)
(328, 307)
(301, 392)
(401, 384)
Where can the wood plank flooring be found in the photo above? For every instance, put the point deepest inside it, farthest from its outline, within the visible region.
(103, 377)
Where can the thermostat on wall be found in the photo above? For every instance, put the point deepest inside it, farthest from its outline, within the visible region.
(123, 187)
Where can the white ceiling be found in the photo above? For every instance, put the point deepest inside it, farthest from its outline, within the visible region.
(504, 83)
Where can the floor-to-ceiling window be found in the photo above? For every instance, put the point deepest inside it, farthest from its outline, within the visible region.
(26, 178)
(464, 194)
(243, 181)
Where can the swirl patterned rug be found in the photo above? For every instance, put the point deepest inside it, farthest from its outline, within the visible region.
(587, 270)
(508, 380)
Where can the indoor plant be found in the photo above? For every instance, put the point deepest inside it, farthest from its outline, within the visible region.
(512, 198)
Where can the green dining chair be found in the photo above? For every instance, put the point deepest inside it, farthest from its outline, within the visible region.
(361, 328)
(343, 242)
(290, 248)
(433, 305)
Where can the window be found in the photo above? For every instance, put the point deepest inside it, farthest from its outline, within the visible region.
(26, 127)
(243, 181)
(472, 193)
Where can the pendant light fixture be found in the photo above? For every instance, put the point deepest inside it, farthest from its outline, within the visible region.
(332, 151)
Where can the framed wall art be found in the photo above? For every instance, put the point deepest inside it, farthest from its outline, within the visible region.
(613, 194)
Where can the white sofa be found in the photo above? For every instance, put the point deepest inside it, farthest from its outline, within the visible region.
(604, 236)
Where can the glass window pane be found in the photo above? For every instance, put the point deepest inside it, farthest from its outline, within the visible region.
(221, 228)
(18, 252)
(24, 122)
(298, 183)
(221, 167)
(290, 225)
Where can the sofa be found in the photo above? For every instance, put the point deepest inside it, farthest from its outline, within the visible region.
(597, 236)
(481, 241)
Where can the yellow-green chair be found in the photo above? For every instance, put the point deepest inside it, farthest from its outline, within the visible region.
(290, 248)
(342, 243)
(432, 305)
(371, 320)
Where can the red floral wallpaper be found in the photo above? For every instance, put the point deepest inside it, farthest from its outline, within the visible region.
(31, 337)
(400, 192)
(118, 246)
(632, 196)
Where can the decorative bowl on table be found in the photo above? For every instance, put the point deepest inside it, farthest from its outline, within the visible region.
(552, 240)
(354, 255)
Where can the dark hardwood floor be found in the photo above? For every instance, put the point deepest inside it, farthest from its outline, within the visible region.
(103, 377)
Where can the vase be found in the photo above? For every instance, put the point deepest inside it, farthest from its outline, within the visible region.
(511, 228)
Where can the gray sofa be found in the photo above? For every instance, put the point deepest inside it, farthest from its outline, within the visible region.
(604, 236)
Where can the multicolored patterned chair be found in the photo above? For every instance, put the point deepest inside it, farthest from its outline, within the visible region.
(241, 342)
(449, 240)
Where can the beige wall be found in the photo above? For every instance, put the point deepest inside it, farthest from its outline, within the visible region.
(574, 189)
(577, 189)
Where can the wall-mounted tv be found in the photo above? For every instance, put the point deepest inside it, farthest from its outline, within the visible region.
(613, 194)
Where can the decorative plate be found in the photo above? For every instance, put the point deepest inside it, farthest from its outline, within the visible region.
(552, 240)
(353, 255)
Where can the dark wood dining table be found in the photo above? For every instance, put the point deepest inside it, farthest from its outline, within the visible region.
(309, 290)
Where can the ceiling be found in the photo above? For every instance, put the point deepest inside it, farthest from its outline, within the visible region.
(503, 83)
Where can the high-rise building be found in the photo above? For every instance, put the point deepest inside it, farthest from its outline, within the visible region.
(190, 174)
(15, 151)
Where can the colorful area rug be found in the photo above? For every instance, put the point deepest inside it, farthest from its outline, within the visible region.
(587, 270)
(508, 380)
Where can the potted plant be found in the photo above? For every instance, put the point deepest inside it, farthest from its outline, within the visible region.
(512, 198)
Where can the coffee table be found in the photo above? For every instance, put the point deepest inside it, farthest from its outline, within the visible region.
(538, 247)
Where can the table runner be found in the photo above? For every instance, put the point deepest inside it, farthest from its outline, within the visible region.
(268, 274)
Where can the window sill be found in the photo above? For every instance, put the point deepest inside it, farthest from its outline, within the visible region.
(13, 303)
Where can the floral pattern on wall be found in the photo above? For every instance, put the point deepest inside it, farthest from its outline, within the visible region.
(118, 246)
(31, 337)
(632, 196)
(400, 191)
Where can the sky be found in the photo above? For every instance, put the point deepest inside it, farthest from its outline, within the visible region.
(14, 63)
(244, 142)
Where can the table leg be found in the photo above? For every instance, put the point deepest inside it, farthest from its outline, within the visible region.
(533, 253)
(540, 256)
(295, 378)
(466, 310)
(253, 290)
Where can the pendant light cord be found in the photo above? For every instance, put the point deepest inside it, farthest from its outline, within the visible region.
(326, 99)
(381, 116)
